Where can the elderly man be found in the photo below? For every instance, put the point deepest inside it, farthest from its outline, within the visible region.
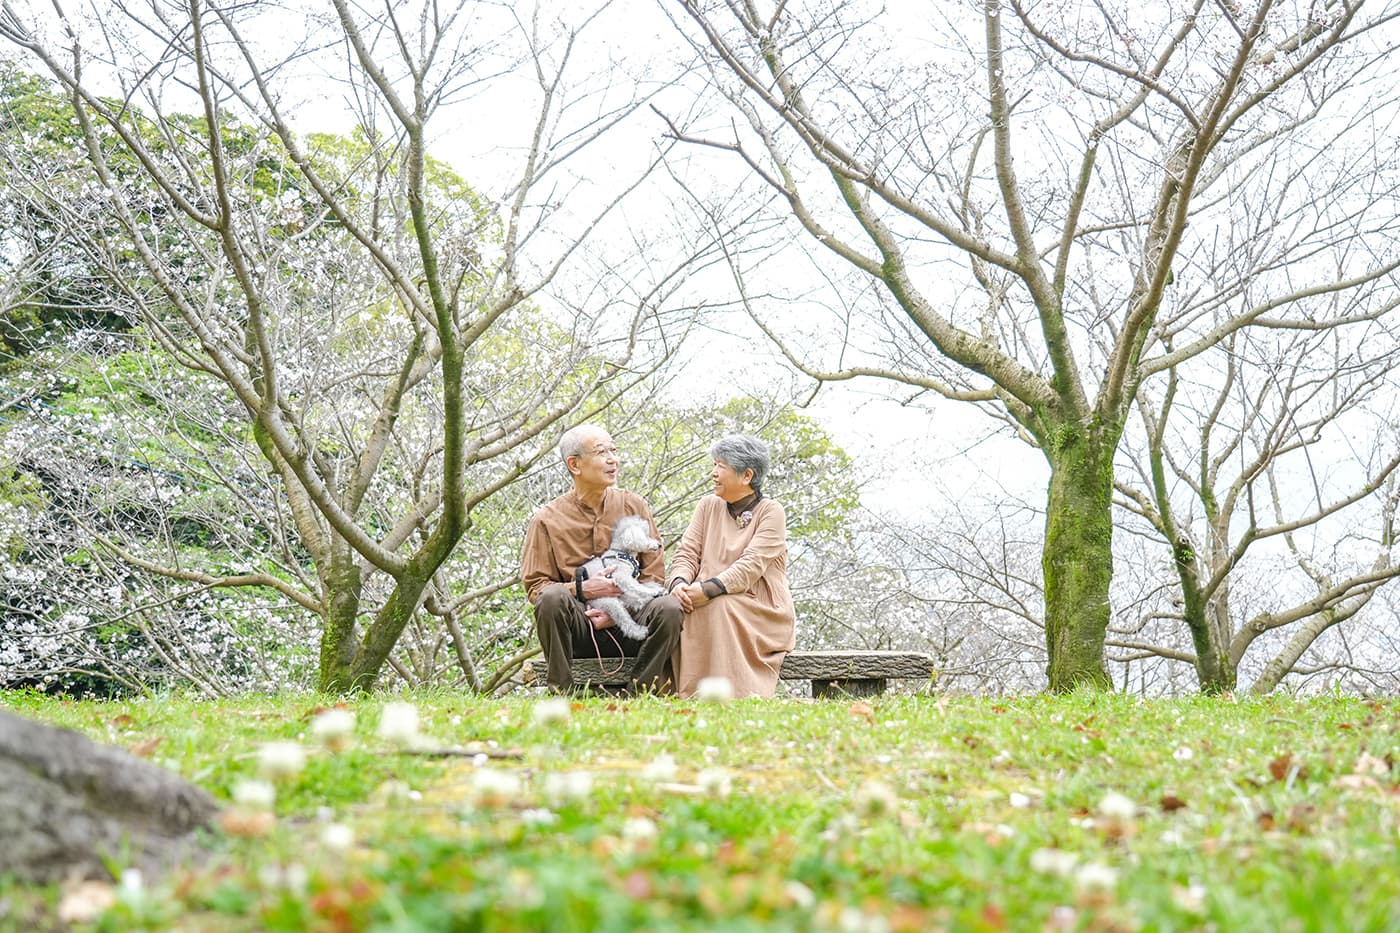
(565, 534)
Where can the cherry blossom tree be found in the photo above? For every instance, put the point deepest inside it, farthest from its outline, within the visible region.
(397, 345)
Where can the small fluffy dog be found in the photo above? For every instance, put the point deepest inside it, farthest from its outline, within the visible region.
(631, 536)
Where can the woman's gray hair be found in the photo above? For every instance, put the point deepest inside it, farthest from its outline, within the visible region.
(743, 452)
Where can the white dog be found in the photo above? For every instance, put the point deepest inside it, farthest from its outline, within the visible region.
(631, 536)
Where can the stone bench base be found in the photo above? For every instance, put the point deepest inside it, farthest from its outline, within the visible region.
(832, 673)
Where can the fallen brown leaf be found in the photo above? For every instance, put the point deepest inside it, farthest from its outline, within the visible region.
(144, 749)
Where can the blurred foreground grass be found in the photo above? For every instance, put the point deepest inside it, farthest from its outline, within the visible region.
(1088, 812)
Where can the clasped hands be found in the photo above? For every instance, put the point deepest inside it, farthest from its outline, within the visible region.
(691, 596)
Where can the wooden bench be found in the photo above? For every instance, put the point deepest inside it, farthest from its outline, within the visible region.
(832, 673)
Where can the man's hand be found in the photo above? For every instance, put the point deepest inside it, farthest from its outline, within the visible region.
(599, 618)
(601, 585)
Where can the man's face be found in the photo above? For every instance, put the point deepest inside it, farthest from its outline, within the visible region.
(599, 462)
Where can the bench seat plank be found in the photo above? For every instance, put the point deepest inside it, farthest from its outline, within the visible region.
(857, 673)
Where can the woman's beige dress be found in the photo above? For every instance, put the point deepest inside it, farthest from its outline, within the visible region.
(744, 634)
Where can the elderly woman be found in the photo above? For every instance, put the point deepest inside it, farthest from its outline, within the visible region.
(730, 575)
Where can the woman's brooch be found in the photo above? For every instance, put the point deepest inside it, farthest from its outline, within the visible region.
(744, 518)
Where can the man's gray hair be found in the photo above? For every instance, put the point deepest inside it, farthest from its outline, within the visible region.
(743, 452)
(571, 444)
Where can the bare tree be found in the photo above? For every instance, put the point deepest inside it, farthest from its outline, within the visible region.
(1284, 461)
(399, 347)
(1052, 202)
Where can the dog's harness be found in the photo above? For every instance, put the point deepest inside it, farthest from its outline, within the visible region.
(609, 558)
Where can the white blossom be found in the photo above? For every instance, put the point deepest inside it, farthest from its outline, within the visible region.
(661, 769)
(277, 760)
(398, 724)
(876, 798)
(638, 828)
(714, 689)
(1115, 806)
(254, 794)
(335, 728)
(551, 711)
(563, 786)
(337, 837)
(1095, 876)
(1053, 862)
(715, 781)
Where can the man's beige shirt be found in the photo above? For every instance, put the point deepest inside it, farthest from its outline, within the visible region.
(565, 534)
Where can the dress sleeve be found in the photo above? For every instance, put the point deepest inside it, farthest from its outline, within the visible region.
(687, 562)
(768, 544)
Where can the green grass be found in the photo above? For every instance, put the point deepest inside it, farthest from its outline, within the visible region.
(896, 814)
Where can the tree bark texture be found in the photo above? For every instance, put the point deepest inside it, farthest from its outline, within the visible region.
(1078, 559)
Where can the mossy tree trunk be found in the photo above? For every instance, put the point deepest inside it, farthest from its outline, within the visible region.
(1077, 559)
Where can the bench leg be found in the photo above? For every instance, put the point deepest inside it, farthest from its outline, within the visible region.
(836, 689)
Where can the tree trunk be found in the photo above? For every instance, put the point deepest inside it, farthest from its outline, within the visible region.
(1078, 558)
(343, 584)
(1215, 672)
(383, 634)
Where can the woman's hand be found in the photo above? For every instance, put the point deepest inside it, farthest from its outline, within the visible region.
(692, 596)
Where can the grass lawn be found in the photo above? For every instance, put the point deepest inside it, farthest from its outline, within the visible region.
(1090, 812)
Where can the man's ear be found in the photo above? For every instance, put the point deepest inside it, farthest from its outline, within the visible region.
(571, 464)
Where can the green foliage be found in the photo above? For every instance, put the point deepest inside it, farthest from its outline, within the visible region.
(668, 458)
(908, 813)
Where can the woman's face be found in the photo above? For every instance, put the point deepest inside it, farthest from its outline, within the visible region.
(731, 486)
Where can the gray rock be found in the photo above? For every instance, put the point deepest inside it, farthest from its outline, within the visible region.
(67, 803)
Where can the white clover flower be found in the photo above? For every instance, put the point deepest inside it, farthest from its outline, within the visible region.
(568, 785)
(254, 794)
(391, 791)
(495, 788)
(715, 782)
(876, 798)
(133, 884)
(398, 724)
(1182, 754)
(337, 837)
(800, 895)
(538, 816)
(638, 829)
(277, 760)
(552, 711)
(334, 728)
(1191, 899)
(714, 689)
(1020, 801)
(855, 920)
(1115, 806)
(1095, 876)
(1053, 862)
(661, 769)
